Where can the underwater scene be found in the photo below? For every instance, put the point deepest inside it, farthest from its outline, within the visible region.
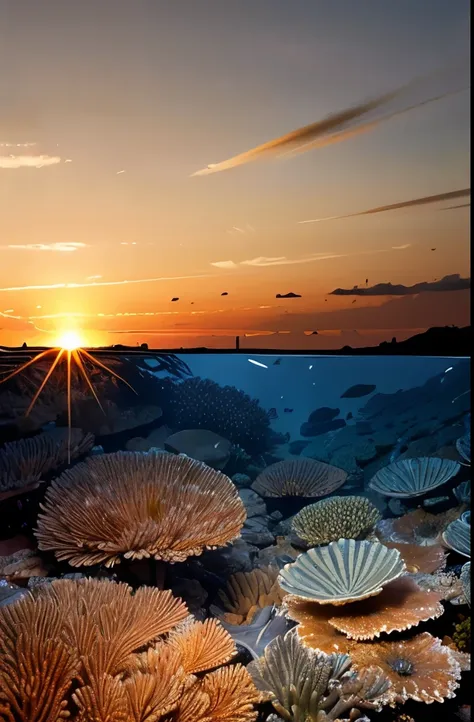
(227, 538)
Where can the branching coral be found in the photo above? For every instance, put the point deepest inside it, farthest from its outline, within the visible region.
(24, 462)
(70, 650)
(246, 593)
(299, 477)
(197, 403)
(306, 685)
(138, 505)
(340, 517)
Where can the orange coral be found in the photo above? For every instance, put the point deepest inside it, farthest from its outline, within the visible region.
(247, 592)
(70, 650)
(417, 527)
(419, 668)
(138, 505)
(423, 559)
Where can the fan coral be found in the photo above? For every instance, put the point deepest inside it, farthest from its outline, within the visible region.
(306, 685)
(413, 477)
(463, 446)
(424, 559)
(462, 492)
(24, 462)
(417, 527)
(246, 593)
(70, 650)
(197, 403)
(342, 572)
(138, 505)
(340, 517)
(299, 477)
(419, 668)
(400, 606)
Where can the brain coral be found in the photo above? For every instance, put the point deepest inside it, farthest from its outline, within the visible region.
(339, 517)
(203, 404)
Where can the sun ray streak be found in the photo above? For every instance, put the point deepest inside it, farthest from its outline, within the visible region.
(106, 368)
(77, 358)
(44, 382)
(27, 364)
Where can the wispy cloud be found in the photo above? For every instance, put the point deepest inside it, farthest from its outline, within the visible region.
(17, 145)
(58, 247)
(28, 161)
(401, 248)
(425, 200)
(98, 284)
(262, 261)
(334, 128)
(447, 283)
(93, 278)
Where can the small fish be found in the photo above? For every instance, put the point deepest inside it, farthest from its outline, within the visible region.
(355, 300)
(433, 249)
(272, 414)
(277, 362)
(224, 293)
(176, 298)
(288, 411)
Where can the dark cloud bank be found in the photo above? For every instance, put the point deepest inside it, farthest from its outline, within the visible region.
(447, 283)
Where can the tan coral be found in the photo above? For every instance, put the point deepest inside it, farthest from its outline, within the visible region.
(137, 506)
(299, 477)
(340, 517)
(247, 592)
(400, 606)
(22, 564)
(418, 558)
(419, 668)
(417, 527)
(23, 463)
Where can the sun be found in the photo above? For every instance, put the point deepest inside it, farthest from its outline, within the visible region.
(69, 341)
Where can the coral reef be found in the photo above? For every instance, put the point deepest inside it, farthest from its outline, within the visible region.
(138, 505)
(340, 517)
(197, 403)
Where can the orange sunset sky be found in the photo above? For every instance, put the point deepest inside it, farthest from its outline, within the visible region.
(109, 110)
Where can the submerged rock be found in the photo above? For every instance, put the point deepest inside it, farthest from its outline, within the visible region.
(316, 429)
(201, 445)
(254, 504)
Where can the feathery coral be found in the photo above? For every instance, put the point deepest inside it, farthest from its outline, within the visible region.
(340, 517)
(138, 505)
(246, 593)
(299, 477)
(23, 463)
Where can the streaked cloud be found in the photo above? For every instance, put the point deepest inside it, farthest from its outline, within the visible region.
(28, 161)
(58, 247)
(453, 282)
(97, 284)
(93, 278)
(337, 126)
(17, 145)
(401, 248)
(262, 261)
(425, 200)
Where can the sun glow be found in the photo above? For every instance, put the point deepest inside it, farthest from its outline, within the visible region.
(70, 341)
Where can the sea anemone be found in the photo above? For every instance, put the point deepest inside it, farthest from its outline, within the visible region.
(299, 477)
(407, 478)
(342, 572)
(340, 517)
(420, 668)
(197, 403)
(138, 505)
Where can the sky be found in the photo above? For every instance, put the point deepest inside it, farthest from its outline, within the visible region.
(126, 178)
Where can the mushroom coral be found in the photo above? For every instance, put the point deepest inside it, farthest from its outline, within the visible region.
(299, 477)
(138, 505)
(71, 649)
